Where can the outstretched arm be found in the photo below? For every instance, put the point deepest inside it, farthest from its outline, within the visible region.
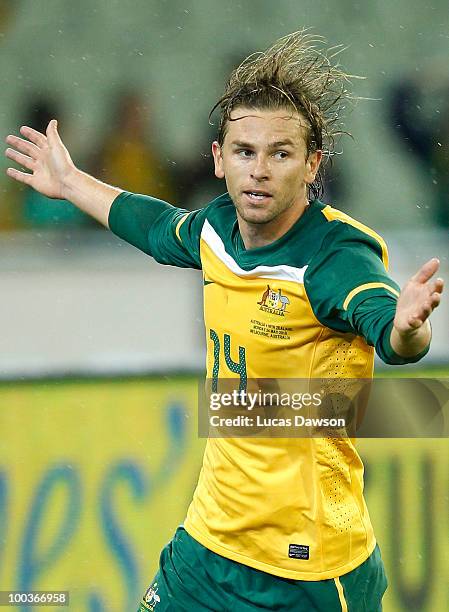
(411, 331)
(54, 174)
(367, 302)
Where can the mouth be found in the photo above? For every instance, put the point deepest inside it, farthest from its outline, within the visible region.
(257, 195)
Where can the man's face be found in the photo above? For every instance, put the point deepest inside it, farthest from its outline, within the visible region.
(264, 161)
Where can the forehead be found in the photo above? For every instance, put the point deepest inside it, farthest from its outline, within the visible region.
(265, 125)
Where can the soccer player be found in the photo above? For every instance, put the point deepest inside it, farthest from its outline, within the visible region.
(275, 524)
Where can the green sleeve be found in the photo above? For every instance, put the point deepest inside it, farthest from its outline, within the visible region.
(347, 268)
(171, 235)
(350, 290)
(373, 319)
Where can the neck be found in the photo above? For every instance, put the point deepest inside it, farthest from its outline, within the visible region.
(255, 235)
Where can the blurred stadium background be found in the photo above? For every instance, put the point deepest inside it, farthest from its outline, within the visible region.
(101, 347)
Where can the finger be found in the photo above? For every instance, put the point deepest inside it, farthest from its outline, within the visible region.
(426, 271)
(52, 132)
(435, 300)
(439, 285)
(22, 177)
(421, 314)
(435, 286)
(426, 310)
(21, 159)
(39, 139)
(25, 146)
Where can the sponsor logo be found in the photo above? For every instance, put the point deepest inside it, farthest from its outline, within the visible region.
(274, 302)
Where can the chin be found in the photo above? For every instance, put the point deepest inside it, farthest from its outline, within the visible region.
(256, 215)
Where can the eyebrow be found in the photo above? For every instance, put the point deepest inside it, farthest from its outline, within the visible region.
(273, 145)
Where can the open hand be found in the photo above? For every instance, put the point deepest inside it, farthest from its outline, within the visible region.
(418, 298)
(46, 157)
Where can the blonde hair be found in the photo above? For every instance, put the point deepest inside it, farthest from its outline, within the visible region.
(297, 72)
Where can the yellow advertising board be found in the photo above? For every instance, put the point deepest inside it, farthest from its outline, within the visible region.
(406, 488)
(96, 475)
(94, 479)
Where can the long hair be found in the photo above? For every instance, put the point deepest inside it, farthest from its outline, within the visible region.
(296, 72)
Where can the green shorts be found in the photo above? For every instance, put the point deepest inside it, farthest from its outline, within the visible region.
(193, 578)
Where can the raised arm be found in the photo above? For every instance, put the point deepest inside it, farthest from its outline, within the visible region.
(54, 174)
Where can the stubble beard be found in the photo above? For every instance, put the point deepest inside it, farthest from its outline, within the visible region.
(259, 216)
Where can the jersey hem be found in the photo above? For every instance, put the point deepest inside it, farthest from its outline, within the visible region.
(272, 569)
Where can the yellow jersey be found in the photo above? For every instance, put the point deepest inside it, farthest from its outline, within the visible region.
(310, 305)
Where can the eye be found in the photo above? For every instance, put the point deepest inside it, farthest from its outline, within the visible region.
(245, 153)
(281, 154)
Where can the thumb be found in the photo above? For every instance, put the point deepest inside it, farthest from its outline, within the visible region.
(52, 130)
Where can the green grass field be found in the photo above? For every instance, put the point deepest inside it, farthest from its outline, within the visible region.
(441, 371)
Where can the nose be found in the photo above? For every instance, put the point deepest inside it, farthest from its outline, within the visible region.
(260, 170)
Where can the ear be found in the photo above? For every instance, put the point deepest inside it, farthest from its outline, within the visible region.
(218, 160)
(312, 165)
